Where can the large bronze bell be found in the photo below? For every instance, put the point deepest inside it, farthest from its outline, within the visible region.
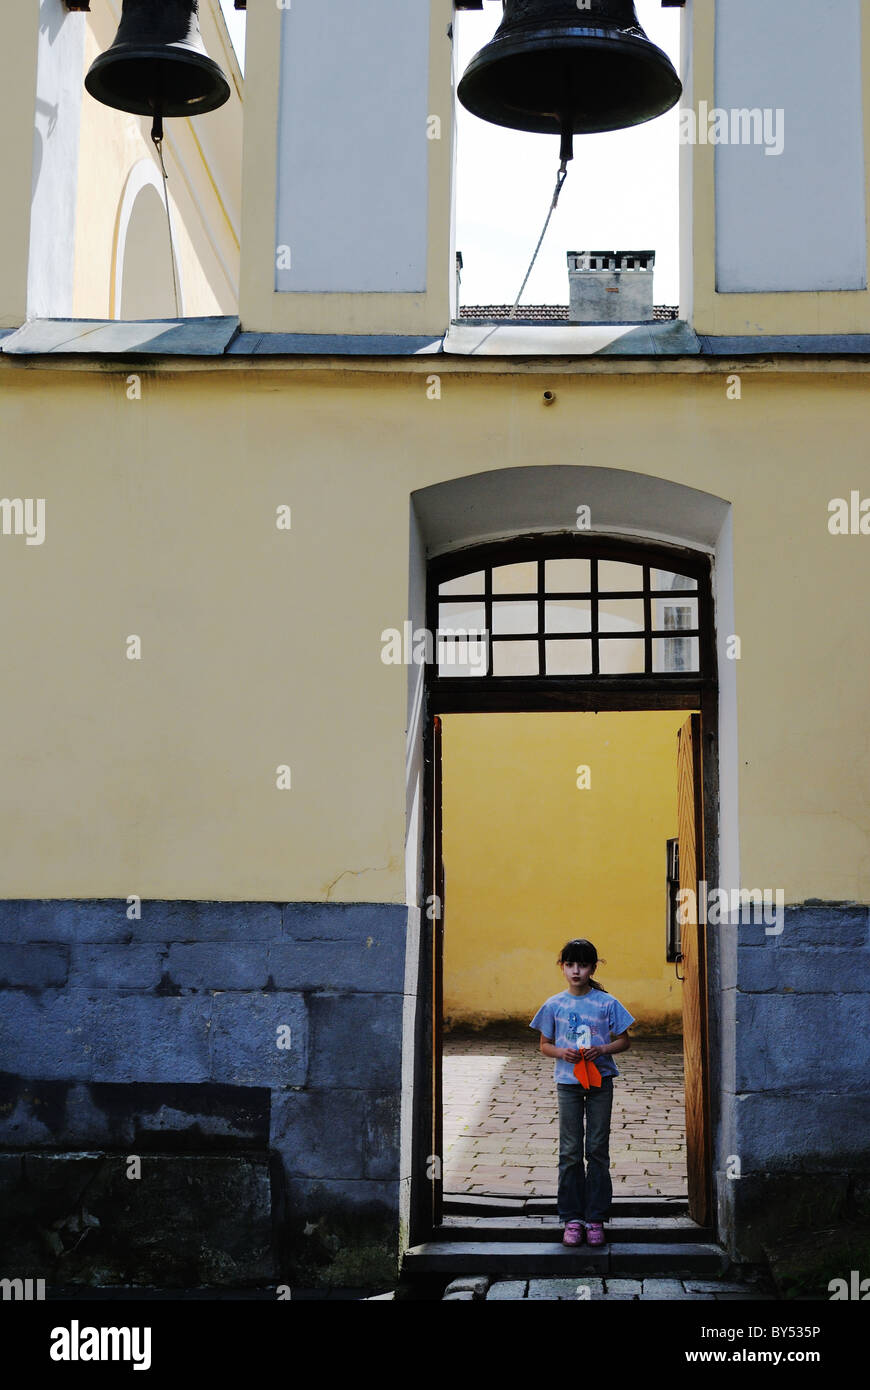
(158, 65)
(554, 66)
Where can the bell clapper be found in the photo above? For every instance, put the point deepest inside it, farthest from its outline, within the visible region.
(157, 137)
(566, 152)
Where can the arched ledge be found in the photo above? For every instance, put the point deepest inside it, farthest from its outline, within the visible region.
(517, 501)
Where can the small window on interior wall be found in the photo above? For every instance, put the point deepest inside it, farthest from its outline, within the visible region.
(622, 186)
(676, 653)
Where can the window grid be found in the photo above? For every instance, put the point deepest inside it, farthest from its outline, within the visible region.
(542, 620)
(677, 619)
(647, 622)
(676, 653)
(487, 616)
(594, 597)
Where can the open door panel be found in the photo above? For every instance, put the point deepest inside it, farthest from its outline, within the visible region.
(694, 967)
(435, 916)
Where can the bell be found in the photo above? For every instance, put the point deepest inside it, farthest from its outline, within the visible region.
(554, 66)
(158, 65)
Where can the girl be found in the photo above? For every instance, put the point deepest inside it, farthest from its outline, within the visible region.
(583, 1022)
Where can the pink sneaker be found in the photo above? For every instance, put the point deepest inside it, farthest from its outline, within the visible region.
(595, 1233)
(573, 1233)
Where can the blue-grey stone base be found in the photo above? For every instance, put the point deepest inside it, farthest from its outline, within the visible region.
(793, 1133)
(229, 1039)
(270, 1034)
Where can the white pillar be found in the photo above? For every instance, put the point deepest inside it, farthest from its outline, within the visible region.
(51, 263)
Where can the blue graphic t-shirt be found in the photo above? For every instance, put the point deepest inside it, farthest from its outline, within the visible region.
(581, 1020)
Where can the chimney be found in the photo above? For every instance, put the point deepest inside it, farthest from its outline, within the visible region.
(610, 286)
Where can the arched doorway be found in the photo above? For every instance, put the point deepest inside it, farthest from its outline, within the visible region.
(664, 625)
(544, 623)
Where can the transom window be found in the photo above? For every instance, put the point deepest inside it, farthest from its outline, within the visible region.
(569, 614)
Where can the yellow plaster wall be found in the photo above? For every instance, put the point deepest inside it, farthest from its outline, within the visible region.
(263, 647)
(714, 313)
(531, 860)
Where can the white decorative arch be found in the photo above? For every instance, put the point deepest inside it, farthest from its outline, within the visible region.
(144, 174)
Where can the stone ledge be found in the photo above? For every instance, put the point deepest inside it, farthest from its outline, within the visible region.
(139, 1117)
(104, 921)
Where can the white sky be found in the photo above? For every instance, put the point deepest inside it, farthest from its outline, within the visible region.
(236, 24)
(621, 192)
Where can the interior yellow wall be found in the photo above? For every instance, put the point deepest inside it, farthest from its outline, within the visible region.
(203, 187)
(17, 105)
(263, 647)
(531, 860)
(147, 284)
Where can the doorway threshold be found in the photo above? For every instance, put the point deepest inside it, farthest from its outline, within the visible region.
(646, 1236)
(634, 1221)
(471, 1205)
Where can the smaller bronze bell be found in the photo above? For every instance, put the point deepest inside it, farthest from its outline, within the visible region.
(158, 65)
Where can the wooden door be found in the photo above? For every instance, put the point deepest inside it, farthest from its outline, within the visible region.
(694, 970)
(435, 916)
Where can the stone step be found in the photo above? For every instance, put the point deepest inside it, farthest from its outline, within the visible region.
(466, 1204)
(608, 1290)
(624, 1229)
(524, 1259)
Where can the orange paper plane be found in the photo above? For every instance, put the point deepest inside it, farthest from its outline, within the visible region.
(587, 1074)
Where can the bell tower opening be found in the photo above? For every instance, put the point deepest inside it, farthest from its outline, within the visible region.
(593, 93)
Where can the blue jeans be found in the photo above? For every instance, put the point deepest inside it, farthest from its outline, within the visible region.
(585, 1196)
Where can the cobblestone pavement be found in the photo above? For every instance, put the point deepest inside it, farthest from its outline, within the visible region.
(602, 1290)
(501, 1130)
